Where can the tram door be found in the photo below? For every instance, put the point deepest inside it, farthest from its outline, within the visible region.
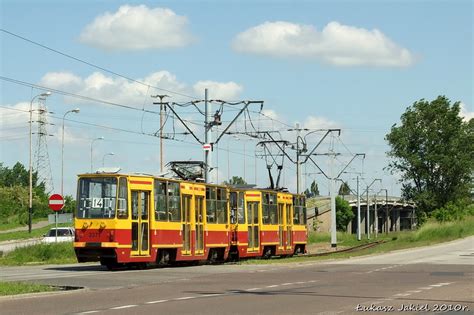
(186, 217)
(253, 231)
(199, 242)
(140, 223)
(289, 224)
(281, 225)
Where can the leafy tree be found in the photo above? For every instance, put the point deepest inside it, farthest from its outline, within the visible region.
(314, 188)
(69, 204)
(307, 193)
(344, 189)
(344, 214)
(14, 194)
(235, 181)
(432, 149)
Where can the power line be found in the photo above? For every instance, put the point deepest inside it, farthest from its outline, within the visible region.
(91, 64)
(87, 98)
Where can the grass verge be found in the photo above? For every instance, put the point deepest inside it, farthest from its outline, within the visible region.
(13, 288)
(22, 235)
(54, 253)
(429, 234)
(12, 223)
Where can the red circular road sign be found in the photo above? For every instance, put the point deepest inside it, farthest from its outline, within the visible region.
(56, 202)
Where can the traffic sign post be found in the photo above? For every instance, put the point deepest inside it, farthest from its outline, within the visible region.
(56, 203)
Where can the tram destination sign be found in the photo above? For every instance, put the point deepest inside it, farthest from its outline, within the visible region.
(56, 202)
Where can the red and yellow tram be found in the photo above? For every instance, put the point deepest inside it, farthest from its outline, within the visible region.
(139, 219)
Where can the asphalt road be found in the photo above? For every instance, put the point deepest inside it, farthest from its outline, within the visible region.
(418, 281)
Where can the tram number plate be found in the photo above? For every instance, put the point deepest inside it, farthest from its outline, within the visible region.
(97, 202)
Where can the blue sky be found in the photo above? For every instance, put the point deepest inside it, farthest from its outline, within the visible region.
(354, 65)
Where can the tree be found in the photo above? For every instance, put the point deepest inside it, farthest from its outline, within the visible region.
(235, 181)
(344, 214)
(14, 194)
(344, 189)
(432, 149)
(314, 188)
(307, 193)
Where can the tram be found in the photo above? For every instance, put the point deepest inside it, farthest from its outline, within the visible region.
(141, 219)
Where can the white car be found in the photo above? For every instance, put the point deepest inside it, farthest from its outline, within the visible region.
(65, 234)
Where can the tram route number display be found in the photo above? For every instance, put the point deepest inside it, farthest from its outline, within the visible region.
(100, 203)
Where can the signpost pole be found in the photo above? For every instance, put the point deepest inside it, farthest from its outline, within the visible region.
(56, 224)
(56, 203)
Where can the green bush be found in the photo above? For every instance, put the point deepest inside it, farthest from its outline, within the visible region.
(453, 212)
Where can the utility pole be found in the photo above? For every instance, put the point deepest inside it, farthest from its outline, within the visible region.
(386, 210)
(43, 163)
(376, 218)
(358, 211)
(162, 111)
(207, 137)
(298, 165)
(368, 212)
(332, 188)
(210, 121)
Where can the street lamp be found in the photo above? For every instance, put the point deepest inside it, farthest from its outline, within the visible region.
(103, 158)
(30, 203)
(92, 142)
(76, 110)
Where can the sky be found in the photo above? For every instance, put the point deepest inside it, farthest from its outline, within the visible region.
(349, 65)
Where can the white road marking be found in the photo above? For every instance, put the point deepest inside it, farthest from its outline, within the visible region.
(312, 281)
(185, 298)
(272, 286)
(253, 289)
(425, 288)
(300, 282)
(288, 283)
(436, 285)
(155, 302)
(212, 294)
(89, 312)
(122, 307)
(414, 291)
(402, 294)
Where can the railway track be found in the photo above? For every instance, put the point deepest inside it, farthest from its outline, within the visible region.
(346, 250)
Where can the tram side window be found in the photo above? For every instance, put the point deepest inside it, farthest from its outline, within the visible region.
(161, 209)
(221, 209)
(174, 202)
(211, 205)
(302, 211)
(270, 214)
(233, 207)
(122, 209)
(265, 209)
(296, 210)
(273, 209)
(240, 208)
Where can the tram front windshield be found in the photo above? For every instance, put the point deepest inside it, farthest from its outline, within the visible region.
(97, 198)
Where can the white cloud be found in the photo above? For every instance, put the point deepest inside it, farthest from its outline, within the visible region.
(112, 89)
(336, 44)
(465, 113)
(14, 120)
(137, 28)
(63, 80)
(313, 122)
(219, 90)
